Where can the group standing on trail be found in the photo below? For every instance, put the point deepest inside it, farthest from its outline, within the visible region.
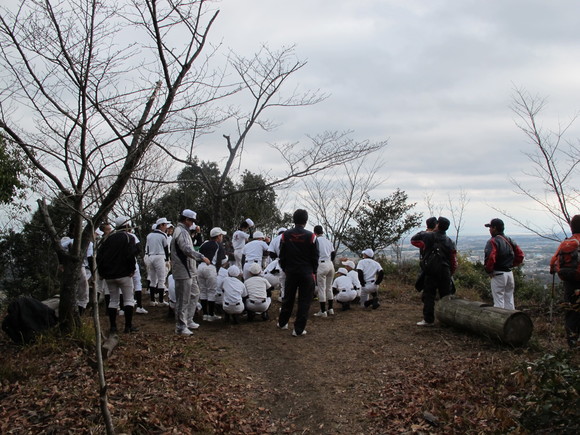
(201, 277)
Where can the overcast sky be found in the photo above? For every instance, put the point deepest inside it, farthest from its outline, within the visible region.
(434, 77)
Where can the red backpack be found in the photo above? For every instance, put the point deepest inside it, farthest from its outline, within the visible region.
(567, 264)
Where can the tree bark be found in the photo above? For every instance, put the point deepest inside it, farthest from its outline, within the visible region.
(508, 326)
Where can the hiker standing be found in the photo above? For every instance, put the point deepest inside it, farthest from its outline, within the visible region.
(569, 272)
(439, 263)
(501, 254)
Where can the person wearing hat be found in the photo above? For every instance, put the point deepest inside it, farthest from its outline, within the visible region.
(183, 261)
(500, 255)
(254, 252)
(370, 275)
(299, 261)
(274, 253)
(325, 273)
(438, 245)
(116, 264)
(571, 284)
(353, 275)
(343, 288)
(156, 258)
(259, 292)
(240, 238)
(235, 293)
(207, 273)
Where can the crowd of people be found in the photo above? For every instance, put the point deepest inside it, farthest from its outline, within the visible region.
(194, 276)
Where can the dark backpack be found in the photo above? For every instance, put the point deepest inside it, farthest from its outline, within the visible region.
(27, 318)
(567, 264)
(435, 259)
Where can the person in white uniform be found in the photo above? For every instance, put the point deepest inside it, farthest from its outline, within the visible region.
(325, 273)
(234, 294)
(343, 288)
(259, 293)
(156, 258)
(370, 275)
(353, 275)
(272, 273)
(253, 252)
(274, 253)
(207, 274)
(239, 240)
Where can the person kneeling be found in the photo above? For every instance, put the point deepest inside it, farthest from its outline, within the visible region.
(234, 294)
(259, 293)
(343, 289)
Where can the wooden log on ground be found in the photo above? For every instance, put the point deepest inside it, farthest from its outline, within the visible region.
(508, 326)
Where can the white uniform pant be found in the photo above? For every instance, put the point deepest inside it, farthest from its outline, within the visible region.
(237, 308)
(156, 270)
(82, 295)
(366, 290)
(137, 286)
(345, 296)
(258, 305)
(246, 272)
(502, 289)
(207, 279)
(120, 286)
(238, 257)
(324, 278)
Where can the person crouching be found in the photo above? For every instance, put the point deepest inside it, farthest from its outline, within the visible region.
(259, 293)
(234, 293)
(343, 289)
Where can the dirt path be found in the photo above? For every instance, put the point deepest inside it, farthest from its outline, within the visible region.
(330, 380)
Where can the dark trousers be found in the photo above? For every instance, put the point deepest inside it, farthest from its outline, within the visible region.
(434, 283)
(303, 283)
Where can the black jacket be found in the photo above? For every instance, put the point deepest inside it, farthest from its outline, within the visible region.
(116, 256)
(298, 251)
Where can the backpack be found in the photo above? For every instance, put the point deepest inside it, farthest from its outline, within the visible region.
(27, 318)
(435, 260)
(567, 264)
(518, 253)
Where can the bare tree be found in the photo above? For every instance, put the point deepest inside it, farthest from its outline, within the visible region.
(263, 80)
(97, 100)
(433, 208)
(334, 197)
(555, 163)
(457, 209)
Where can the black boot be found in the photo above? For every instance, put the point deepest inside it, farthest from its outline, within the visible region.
(128, 309)
(203, 303)
(139, 299)
(152, 292)
(211, 308)
(375, 301)
(161, 294)
(112, 313)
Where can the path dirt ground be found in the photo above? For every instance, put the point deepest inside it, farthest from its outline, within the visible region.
(357, 372)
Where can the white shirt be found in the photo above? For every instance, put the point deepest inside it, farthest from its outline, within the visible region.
(273, 266)
(325, 248)
(234, 290)
(256, 287)
(353, 275)
(342, 282)
(156, 243)
(275, 245)
(221, 275)
(255, 250)
(370, 268)
(239, 239)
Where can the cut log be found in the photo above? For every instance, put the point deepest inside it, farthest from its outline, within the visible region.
(508, 326)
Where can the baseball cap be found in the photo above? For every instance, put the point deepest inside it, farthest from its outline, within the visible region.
(216, 232)
(349, 263)
(161, 221)
(122, 221)
(189, 214)
(234, 271)
(250, 222)
(281, 230)
(255, 269)
(258, 235)
(497, 223)
(368, 252)
(342, 270)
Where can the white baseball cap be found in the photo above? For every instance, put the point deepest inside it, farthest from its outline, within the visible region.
(349, 263)
(282, 230)
(161, 221)
(154, 226)
(217, 231)
(258, 235)
(234, 271)
(342, 270)
(368, 252)
(255, 269)
(122, 221)
(250, 222)
(189, 214)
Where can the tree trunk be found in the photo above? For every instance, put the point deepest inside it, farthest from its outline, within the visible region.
(508, 326)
